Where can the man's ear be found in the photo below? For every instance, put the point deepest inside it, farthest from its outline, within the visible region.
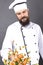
(28, 10)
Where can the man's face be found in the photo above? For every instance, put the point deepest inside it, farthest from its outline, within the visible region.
(23, 16)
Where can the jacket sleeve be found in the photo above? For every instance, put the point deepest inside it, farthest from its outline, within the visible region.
(6, 46)
(41, 43)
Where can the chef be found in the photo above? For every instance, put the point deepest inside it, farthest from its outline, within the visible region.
(23, 35)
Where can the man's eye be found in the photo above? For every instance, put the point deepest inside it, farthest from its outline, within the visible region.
(24, 11)
(18, 13)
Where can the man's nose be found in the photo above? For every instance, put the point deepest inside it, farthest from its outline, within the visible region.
(22, 15)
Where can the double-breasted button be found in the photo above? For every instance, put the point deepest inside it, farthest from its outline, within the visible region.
(32, 27)
(35, 43)
(34, 35)
(35, 51)
(37, 59)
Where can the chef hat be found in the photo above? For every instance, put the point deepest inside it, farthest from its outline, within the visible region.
(18, 5)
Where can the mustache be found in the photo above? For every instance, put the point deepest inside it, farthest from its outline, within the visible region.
(23, 17)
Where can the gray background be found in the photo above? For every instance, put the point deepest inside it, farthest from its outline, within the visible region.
(7, 16)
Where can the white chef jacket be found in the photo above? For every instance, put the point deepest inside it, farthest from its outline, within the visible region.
(32, 35)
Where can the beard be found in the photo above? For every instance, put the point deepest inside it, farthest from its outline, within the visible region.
(24, 21)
